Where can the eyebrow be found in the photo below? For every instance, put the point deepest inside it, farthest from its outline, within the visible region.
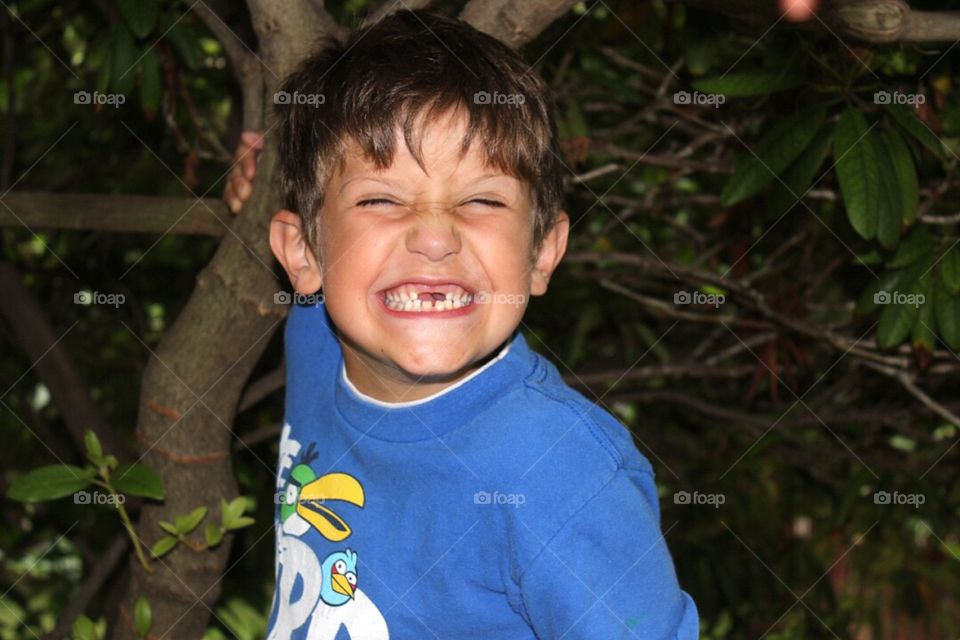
(388, 183)
(391, 183)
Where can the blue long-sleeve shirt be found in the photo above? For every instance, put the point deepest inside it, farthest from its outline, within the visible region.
(507, 506)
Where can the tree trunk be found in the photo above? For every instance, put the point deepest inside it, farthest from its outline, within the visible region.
(193, 382)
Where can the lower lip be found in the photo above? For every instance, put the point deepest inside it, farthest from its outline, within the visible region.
(447, 313)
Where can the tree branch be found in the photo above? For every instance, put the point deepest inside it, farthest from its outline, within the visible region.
(91, 586)
(866, 20)
(247, 67)
(390, 6)
(53, 364)
(514, 22)
(148, 214)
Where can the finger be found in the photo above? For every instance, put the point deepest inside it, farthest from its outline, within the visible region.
(244, 191)
(249, 163)
(252, 139)
(239, 181)
(235, 205)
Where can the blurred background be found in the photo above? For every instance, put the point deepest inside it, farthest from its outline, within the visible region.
(763, 284)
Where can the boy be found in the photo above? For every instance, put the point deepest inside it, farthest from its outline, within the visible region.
(437, 478)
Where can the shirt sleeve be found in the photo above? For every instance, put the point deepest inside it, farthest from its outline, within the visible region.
(608, 573)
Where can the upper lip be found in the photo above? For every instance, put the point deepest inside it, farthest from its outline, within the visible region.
(431, 281)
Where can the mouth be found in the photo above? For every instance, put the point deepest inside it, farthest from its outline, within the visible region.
(419, 297)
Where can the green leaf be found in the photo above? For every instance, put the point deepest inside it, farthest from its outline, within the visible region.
(240, 522)
(142, 616)
(84, 629)
(947, 309)
(184, 43)
(899, 316)
(887, 281)
(799, 176)
(924, 335)
(858, 172)
(889, 212)
(189, 522)
(140, 15)
(917, 245)
(92, 444)
(747, 84)
(163, 546)
(169, 527)
(137, 480)
(232, 511)
(950, 269)
(213, 534)
(906, 174)
(913, 125)
(102, 50)
(49, 483)
(151, 85)
(774, 153)
(124, 57)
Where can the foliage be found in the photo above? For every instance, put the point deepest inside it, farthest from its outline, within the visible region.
(805, 185)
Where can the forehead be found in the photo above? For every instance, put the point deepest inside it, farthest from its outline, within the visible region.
(434, 148)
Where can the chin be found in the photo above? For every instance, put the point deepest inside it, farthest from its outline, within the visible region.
(428, 367)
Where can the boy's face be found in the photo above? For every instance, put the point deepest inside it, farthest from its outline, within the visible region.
(389, 238)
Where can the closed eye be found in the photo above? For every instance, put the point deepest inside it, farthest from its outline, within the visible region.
(374, 202)
(488, 203)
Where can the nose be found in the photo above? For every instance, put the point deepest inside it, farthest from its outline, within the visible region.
(434, 235)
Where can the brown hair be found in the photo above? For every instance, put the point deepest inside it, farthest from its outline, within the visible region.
(388, 74)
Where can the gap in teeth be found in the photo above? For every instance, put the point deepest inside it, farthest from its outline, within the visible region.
(407, 298)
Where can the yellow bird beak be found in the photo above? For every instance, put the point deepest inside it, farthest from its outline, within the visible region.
(313, 496)
(340, 585)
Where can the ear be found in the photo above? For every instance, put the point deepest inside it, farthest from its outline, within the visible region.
(551, 251)
(289, 245)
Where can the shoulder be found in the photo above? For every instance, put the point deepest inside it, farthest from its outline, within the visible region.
(559, 450)
(576, 423)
